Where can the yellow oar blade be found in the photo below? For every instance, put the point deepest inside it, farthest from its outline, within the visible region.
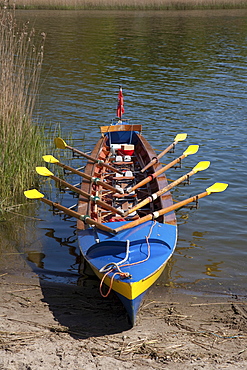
(180, 137)
(217, 187)
(60, 143)
(33, 194)
(43, 171)
(50, 159)
(192, 149)
(201, 166)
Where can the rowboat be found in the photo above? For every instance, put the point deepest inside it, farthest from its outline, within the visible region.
(127, 228)
(130, 261)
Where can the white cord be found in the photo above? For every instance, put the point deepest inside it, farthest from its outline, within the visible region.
(110, 265)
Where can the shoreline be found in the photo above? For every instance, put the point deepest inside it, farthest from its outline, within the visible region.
(125, 5)
(47, 325)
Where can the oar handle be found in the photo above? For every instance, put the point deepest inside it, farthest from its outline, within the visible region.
(151, 163)
(155, 174)
(134, 223)
(158, 193)
(174, 183)
(90, 178)
(141, 183)
(100, 226)
(77, 215)
(108, 207)
(99, 162)
(88, 196)
(161, 212)
(139, 205)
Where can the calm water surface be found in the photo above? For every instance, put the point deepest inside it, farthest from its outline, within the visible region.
(180, 72)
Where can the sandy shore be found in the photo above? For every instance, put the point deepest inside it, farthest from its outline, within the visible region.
(56, 326)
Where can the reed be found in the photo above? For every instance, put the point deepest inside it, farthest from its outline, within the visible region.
(128, 4)
(21, 140)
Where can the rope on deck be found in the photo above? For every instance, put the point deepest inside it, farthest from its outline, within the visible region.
(110, 267)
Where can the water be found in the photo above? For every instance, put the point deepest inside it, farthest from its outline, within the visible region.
(180, 72)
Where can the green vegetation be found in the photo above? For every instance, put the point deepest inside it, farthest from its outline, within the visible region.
(21, 140)
(127, 4)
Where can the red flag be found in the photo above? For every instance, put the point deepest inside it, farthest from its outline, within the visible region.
(120, 107)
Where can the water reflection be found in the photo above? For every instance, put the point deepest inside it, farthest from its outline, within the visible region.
(182, 271)
(181, 72)
(213, 269)
(39, 258)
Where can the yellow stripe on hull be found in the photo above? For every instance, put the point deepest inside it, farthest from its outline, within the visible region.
(131, 290)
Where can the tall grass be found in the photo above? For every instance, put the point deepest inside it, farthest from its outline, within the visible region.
(128, 4)
(21, 140)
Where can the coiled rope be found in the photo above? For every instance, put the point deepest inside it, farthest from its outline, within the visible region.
(110, 267)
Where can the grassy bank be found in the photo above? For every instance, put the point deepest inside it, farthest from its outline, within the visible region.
(127, 4)
(21, 141)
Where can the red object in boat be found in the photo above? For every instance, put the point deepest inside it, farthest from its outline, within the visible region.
(126, 149)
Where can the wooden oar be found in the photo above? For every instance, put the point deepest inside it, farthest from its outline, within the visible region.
(43, 171)
(35, 194)
(96, 180)
(179, 137)
(61, 144)
(192, 149)
(199, 167)
(215, 188)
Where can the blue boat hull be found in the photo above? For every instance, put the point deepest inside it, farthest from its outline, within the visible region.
(136, 258)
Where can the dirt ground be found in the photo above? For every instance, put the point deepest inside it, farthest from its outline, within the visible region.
(46, 325)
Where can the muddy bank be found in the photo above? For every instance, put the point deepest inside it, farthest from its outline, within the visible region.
(53, 326)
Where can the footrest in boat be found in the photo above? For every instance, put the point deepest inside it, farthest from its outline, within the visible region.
(125, 196)
(128, 175)
(122, 160)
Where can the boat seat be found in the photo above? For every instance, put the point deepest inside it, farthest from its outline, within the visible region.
(122, 163)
